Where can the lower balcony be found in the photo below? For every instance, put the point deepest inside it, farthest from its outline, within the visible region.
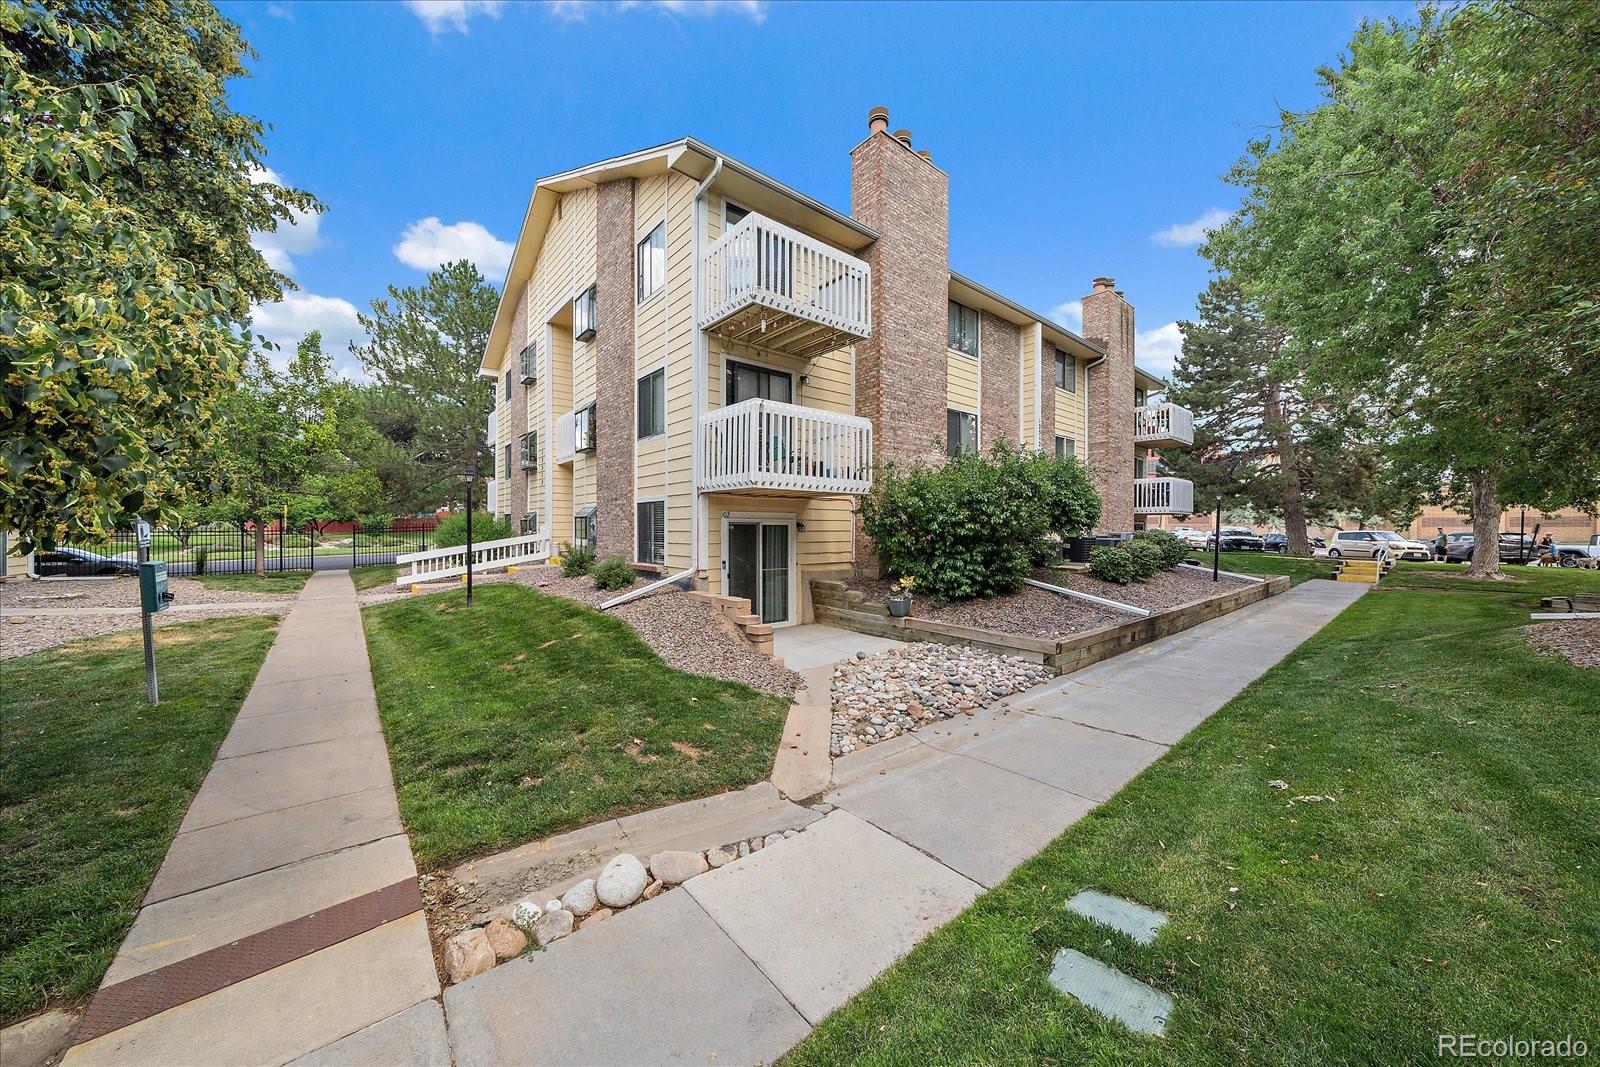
(1163, 496)
(767, 446)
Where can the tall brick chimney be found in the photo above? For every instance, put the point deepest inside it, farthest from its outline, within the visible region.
(900, 372)
(1108, 322)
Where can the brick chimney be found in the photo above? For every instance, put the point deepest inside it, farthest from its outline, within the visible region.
(900, 372)
(1108, 322)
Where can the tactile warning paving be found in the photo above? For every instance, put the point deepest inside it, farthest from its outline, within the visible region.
(178, 983)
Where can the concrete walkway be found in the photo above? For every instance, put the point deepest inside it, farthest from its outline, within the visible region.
(739, 965)
(285, 921)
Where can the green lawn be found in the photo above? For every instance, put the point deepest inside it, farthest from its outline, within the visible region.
(1452, 884)
(527, 714)
(1298, 568)
(374, 577)
(273, 582)
(93, 785)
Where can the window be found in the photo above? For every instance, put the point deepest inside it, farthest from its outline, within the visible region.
(508, 385)
(1138, 397)
(530, 363)
(745, 381)
(652, 262)
(1066, 372)
(1065, 447)
(963, 432)
(963, 329)
(731, 214)
(530, 522)
(530, 451)
(652, 405)
(585, 314)
(650, 527)
(508, 461)
(583, 430)
(583, 526)
(1138, 467)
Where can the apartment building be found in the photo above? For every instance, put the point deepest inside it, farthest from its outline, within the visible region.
(698, 367)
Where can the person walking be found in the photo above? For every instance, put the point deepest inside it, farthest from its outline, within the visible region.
(1441, 546)
(1547, 552)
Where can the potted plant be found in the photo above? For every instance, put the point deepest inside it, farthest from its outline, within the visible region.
(900, 601)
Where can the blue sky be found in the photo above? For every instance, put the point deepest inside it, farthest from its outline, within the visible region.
(1080, 139)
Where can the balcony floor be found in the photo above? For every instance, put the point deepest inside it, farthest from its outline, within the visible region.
(782, 331)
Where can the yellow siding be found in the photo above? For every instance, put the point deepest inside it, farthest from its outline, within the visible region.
(1029, 371)
(961, 381)
(559, 521)
(824, 544)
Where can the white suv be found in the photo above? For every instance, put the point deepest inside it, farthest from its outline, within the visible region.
(1368, 544)
(1190, 536)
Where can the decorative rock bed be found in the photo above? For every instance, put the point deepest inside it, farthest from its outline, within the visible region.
(892, 692)
(624, 881)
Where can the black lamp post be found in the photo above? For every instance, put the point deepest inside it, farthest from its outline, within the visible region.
(472, 476)
(1216, 541)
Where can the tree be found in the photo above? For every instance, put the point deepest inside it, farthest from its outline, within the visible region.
(1425, 238)
(1263, 438)
(126, 272)
(425, 350)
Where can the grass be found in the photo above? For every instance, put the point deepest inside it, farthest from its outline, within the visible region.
(93, 785)
(374, 577)
(1452, 885)
(284, 582)
(1298, 568)
(527, 714)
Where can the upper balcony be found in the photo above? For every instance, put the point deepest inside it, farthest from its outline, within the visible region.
(763, 445)
(774, 288)
(1163, 496)
(1163, 426)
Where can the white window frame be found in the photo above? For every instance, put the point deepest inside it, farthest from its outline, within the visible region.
(977, 340)
(771, 518)
(660, 369)
(650, 501)
(726, 203)
(1072, 371)
(641, 295)
(976, 430)
(1071, 442)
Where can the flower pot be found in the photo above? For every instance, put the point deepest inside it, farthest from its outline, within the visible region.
(899, 606)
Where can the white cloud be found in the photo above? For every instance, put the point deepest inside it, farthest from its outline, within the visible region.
(1069, 315)
(578, 10)
(1188, 234)
(442, 15)
(428, 242)
(278, 11)
(297, 314)
(299, 234)
(1157, 350)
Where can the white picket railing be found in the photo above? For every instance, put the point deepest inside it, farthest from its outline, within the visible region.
(1166, 423)
(439, 563)
(1163, 496)
(764, 444)
(765, 263)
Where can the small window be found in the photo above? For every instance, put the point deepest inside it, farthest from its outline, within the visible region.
(963, 329)
(583, 432)
(652, 262)
(1066, 447)
(508, 461)
(731, 214)
(1066, 372)
(583, 526)
(652, 405)
(530, 522)
(651, 529)
(530, 451)
(1138, 467)
(585, 314)
(529, 360)
(508, 385)
(962, 427)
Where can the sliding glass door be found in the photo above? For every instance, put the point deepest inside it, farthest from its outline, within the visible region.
(757, 566)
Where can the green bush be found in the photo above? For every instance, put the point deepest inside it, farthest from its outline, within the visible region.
(963, 529)
(377, 524)
(452, 529)
(576, 560)
(199, 555)
(1071, 504)
(1147, 561)
(1173, 550)
(614, 573)
(1112, 563)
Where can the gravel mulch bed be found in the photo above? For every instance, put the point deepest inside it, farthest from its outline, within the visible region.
(1168, 589)
(1576, 639)
(21, 635)
(88, 594)
(1030, 612)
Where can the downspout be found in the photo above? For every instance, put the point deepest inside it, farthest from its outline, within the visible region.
(702, 355)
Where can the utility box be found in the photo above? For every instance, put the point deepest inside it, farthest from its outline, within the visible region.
(153, 595)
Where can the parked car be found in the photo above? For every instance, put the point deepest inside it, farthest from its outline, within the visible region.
(1368, 544)
(1580, 555)
(1512, 549)
(1190, 536)
(80, 563)
(1279, 543)
(1237, 539)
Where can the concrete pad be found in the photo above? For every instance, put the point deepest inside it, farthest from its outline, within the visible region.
(802, 767)
(414, 1038)
(1158, 719)
(218, 854)
(906, 750)
(825, 912)
(1159, 681)
(818, 644)
(263, 733)
(263, 782)
(977, 818)
(296, 694)
(1090, 763)
(1111, 993)
(37, 1041)
(658, 983)
(1122, 915)
(285, 1012)
(175, 929)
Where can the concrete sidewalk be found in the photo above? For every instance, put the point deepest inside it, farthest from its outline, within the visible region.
(285, 921)
(738, 966)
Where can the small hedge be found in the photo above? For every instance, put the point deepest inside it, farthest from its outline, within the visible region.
(614, 573)
(576, 560)
(452, 529)
(1146, 559)
(1112, 563)
(1170, 545)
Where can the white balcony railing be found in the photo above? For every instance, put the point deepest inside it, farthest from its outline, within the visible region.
(775, 288)
(1163, 425)
(762, 444)
(439, 563)
(1163, 496)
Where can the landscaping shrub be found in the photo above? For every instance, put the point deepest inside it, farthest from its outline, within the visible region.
(1170, 545)
(614, 573)
(967, 528)
(377, 524)
(1112, 563)
(576, 560)
(452, 529)
(1146, 557)
(199, 556)
(1071, 504)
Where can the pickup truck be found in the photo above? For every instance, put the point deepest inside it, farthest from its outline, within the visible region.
(1580, 555)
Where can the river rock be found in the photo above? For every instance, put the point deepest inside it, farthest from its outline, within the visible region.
(524, 914)
(621, 881)
(675, 868)
(467, 954)
(716, 857)
(506, 940)
(598, 915)
(553, 927)
(580, 899)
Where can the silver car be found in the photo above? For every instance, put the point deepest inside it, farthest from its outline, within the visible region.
(1369, 544)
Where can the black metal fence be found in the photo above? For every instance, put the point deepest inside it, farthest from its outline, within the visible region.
(230, 548)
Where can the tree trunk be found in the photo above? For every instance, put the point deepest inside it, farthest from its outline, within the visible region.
(261, 548)
(1294, 504)
(1485, 528)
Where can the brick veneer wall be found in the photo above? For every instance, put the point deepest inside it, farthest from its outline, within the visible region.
(1047, 397)
(999, 343)
(614, 389)
(900, 369)
(517, 489)
(1108, 321)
